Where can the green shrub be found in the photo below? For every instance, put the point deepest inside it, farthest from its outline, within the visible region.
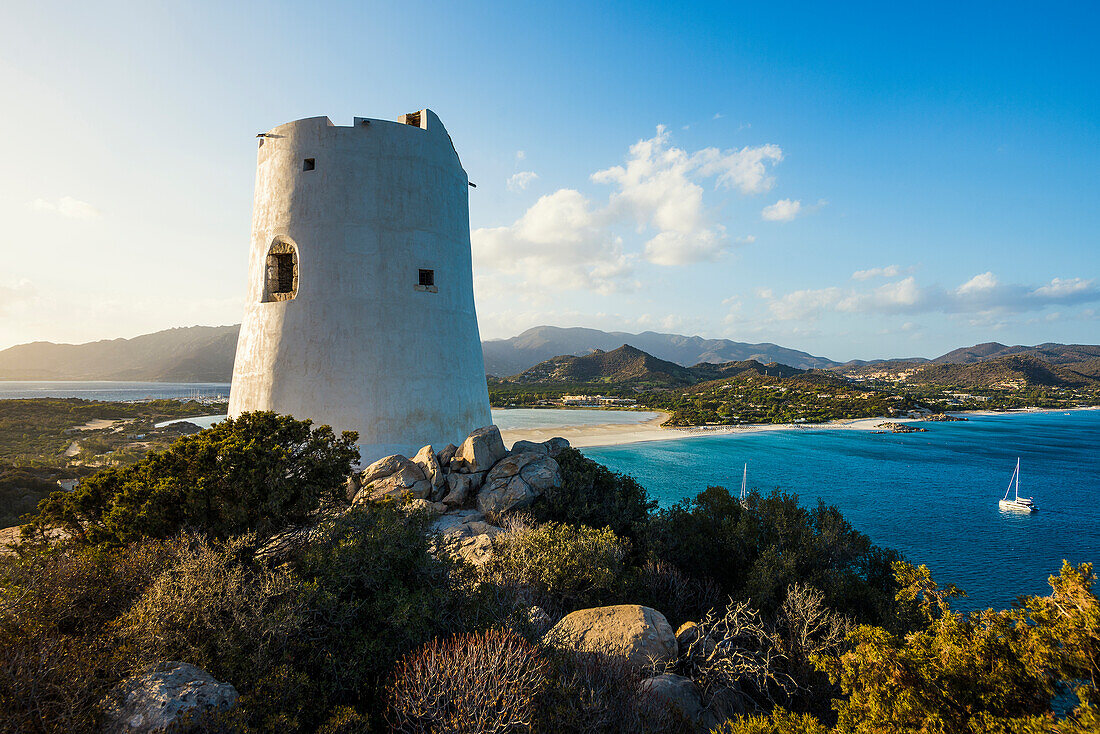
(593, 495)
(255, 473)
(757, 551)
(778, 722)
(560, 567)
(57, 655)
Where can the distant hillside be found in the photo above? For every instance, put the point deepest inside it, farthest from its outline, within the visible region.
(205, 354)
(625, 364)
(1049, 352)
(192, 354)
(1014, 371)
(631, 365)
(512, 356)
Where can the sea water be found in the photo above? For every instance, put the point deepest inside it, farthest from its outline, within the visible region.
(111, 390)
(933, 496)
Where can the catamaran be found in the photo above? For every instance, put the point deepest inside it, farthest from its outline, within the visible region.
(744, 480)
(1019, 504)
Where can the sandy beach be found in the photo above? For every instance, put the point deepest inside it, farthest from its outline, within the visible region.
(612, 434)
(617, 433)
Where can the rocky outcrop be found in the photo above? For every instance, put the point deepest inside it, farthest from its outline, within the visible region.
(480, 451)
(676, 692)
(640, 635)
(163, 697)
(467, 535)
(429, 464)
(516, 481)
(901, 428)
(481, 473)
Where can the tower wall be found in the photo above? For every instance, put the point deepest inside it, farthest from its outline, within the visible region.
(360, 343)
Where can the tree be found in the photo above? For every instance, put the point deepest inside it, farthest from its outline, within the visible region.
(992, 671)
(258, 472)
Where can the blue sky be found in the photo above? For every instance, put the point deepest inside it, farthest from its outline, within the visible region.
(856, 180)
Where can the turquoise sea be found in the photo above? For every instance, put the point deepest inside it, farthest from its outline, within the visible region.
(933, 495)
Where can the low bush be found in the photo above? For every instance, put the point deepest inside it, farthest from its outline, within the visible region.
(255, 473)
(778, 721)
(758, 550)
(559, 567)
(482, 683)
(593, 495)
(599, 694)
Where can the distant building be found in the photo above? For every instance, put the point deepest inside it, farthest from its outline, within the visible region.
(68, 485)
(596, 400)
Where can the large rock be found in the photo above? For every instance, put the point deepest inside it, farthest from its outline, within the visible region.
(160, 698)
(403, 477)
(480, 451)
(465, 534)
(429, 464)
(461, 488)
(384, 467)
(444, 457)
(516, 481)
(676, 692)
(524, 447)
(555, 445)
(639, 634)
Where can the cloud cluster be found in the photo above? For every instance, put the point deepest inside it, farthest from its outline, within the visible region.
(569, 241)
(889, 271)
(67, 207)
(520, 181)
(783, 210)
(983, 294)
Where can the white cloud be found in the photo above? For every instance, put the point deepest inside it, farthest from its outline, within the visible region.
(783, 210)
(889, 271)
(67, 207)
(981, 298)
(520, 181)
(567, 240)
(559, 243)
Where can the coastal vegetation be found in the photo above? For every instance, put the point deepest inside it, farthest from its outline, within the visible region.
(332, 617)
(44, 440)
(735, 393)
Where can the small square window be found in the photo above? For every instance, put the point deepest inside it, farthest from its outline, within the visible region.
(427, 277)
(309, 164)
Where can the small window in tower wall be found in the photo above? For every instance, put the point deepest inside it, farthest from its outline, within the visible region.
(427, 277)
(281, 272)
(309, 164)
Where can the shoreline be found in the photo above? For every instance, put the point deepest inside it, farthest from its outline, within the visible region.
(614, 434)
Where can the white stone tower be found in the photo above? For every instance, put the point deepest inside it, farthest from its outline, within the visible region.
(360, 306)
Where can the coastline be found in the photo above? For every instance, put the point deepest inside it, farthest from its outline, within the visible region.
(614, 434)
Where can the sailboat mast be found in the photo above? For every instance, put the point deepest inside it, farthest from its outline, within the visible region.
(1017, 477)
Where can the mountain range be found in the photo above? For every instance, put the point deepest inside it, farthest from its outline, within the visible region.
(205, 354)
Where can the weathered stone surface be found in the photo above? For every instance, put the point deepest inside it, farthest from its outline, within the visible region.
(555, 445)
(160, 698)
(444, 457)
(725, 704)
(481, 450)
(382, 468)
(674, 691)
(465, 534)
(407, 478)
(352, 487)
(461, 488)
(433, 472)
(520, 447)
(639, 634)
(417, 505)
(516, 481)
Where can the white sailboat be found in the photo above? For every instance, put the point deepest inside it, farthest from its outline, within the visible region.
(1018, 504)
(744, 480)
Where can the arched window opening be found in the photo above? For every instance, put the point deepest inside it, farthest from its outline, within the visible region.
(281, 272)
